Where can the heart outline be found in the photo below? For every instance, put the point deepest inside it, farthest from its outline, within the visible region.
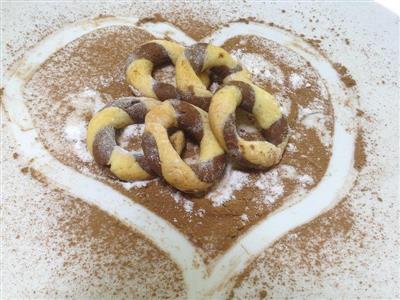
(209, 280)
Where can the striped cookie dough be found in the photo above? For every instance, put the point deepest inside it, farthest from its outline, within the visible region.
(102, 144)
(197, 59)
(145, 59)
(238, 91)
(195, 177)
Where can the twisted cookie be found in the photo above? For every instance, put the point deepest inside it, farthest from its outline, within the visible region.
(101, 137)
(198, 59)
(141, 65)
(239, 91)
(165, 161)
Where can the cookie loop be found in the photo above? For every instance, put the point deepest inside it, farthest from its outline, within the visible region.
(239, 91)
(102, 144)
(198, 59)
(141, 65)
(145, 59)
(194, 177)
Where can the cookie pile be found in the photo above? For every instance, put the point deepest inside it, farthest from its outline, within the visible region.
(169, 113)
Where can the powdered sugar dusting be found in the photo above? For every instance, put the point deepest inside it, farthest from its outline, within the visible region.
(271, 186)
(271, 183)
(313, 116)
(75, 133)
(135, 184)
(291, 147)
(297, 81)
(86, 102)
(232, 181)
(184, 201)
(244, 218)
(259, 67)
(188, 206)
(305, 179)
(134, 130)
(284, 101)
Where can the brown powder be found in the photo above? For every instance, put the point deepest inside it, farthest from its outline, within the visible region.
(96, 254)
(345, 77)
(25, 170)
(156, 18)
(89, 63)
(188, 22)
(360, 113)
(35, 174)
(360, 156)
(314, 42)
(263, 294)
(306, 247)
(243, 20)
(105, 236)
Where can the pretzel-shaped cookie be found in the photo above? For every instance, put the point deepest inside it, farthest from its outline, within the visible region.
(197, 59)
(165, 161)
(141, 65)
(239, 91)
(101, 137)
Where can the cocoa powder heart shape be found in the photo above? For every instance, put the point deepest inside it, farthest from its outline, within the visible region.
(211, 228)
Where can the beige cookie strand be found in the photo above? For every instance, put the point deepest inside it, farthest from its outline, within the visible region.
(101, 137)
(190, 178)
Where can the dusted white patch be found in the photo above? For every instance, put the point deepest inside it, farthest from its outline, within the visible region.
(284, 102)
(86, 102)
(188, 206)
(200, 212)
(313, 117)
(129, 132)
(271, 183)
(232, 181)
(185, 202)
(247, 128)
(244, 218)
(135, 184)
(317, 121)
(305, 179)
(296, 81)
(271, 186)
(291, 147)
(75, 133)
(259, 67)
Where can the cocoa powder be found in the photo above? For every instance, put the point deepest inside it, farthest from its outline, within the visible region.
(360, 157)
(112, 258)
(344, 75)
(305, 247)
(187, 21)
(102, 69)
